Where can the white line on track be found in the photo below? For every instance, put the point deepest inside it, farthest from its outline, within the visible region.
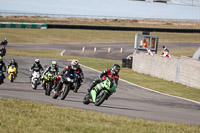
(148, 88)
(62, 52)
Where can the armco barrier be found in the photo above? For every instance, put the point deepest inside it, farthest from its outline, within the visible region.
(23, 25)
(182, 70)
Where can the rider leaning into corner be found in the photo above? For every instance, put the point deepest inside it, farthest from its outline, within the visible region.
(2, 67)
(36, 67)
(73, 67)
(52, 69)
(107, 73)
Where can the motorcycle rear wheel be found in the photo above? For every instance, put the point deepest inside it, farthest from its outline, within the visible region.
(86, 99)
(77, 85)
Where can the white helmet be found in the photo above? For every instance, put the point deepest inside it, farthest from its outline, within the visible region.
(74, 64)
(37, 61)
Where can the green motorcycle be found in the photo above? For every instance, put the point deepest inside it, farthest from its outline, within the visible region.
(101, 92)
(48, 82)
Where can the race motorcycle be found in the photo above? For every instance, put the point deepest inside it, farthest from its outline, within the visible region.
(35, 80)
(1, 77)
(101, 92)
(12, 73)
(68, 84)
(48, 82)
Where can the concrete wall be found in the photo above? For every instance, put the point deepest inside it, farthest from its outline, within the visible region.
(183, 70)
(189, 72)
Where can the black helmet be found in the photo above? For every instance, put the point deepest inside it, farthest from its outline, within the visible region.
(13, 61)
(37, 61)
(115, 69)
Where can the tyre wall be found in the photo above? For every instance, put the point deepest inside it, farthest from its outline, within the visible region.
(23, 25)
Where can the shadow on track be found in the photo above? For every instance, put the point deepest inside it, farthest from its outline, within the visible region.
(121, 108)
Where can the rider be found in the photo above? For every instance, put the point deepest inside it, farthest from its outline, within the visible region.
(36, 67)
(79, 71)
(5, 42)
(52, 69)
(107, 73)
(2, 67)
(13, 62)
(3, 51)
(69, 68)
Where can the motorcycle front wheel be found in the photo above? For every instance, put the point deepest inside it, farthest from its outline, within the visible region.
(34, 86)
(12, 78)
(101, 96)
(48, 89)
(65, 91)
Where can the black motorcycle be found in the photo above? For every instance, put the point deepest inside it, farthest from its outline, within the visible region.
(68, 84)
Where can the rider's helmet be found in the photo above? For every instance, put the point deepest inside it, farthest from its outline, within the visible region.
(115, 69)
(13, 61)
(5, 38)
(37, 61)
(53, 64)
(74, 64)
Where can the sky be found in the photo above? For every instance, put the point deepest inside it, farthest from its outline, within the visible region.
(117, 8)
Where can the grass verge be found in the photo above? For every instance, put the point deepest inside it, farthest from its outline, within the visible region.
(63, 36)
(28, 116)
(153, 83)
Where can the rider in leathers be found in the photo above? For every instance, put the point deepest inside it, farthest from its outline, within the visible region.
(52, 69)
(13, 62)
(65, 73)
(2, 67)
(36, 67)
(107, 73)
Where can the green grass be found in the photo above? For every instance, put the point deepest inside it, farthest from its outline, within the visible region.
(18, 116)
(106, 22)
(153, 83)
(64, 36)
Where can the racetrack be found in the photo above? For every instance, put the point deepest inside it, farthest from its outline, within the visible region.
(129, 100)
(102, 49)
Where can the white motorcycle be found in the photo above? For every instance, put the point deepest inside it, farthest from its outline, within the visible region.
(35, 79)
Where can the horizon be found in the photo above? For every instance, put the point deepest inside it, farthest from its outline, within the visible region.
(120, 8)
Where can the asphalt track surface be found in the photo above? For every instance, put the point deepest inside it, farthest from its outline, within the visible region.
(129, 100)
(102, 49)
